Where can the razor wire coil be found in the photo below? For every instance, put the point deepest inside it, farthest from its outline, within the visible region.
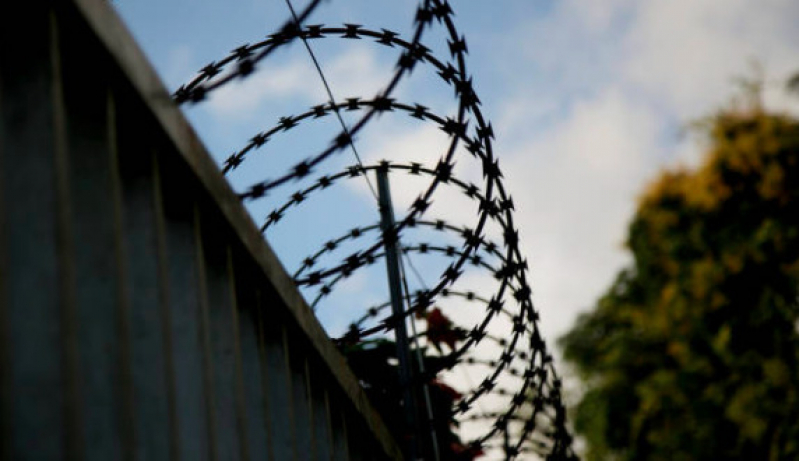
(520, 371)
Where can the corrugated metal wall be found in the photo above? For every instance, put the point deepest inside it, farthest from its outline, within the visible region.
(142, 316)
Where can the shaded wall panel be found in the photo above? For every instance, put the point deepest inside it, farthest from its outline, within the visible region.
(142, 315)
(33, 375)
(222, 339)
(147, 348)
(257, 437)
(100, 292)
(191, 406)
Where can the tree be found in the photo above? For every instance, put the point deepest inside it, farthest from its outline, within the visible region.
(793, 84)
(693, 353)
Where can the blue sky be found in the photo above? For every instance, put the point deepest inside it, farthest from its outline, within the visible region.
(589, 100)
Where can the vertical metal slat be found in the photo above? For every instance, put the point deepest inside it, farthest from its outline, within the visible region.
(33, 378)
(164, 303)
(185, 314)
(205, 338)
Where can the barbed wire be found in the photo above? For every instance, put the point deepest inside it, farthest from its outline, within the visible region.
(520, 385)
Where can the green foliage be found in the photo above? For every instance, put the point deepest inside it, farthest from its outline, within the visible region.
(693, 353)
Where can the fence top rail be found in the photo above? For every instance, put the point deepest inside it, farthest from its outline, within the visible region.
(123, 49)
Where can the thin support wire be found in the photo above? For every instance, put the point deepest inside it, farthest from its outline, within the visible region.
(332, 99)
(420, 359)
(419, 277)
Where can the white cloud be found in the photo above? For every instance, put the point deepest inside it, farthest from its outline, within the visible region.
(688, 53)
(573, 187)
(244, 99)
(357, 72)
(601, 92)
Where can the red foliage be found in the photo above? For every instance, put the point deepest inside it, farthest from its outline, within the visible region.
(449, 391)
(440, 330)
(465, 453)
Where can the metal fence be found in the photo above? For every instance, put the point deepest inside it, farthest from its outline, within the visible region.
(142, 315)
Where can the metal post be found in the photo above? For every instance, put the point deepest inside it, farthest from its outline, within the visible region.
(391, 240)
